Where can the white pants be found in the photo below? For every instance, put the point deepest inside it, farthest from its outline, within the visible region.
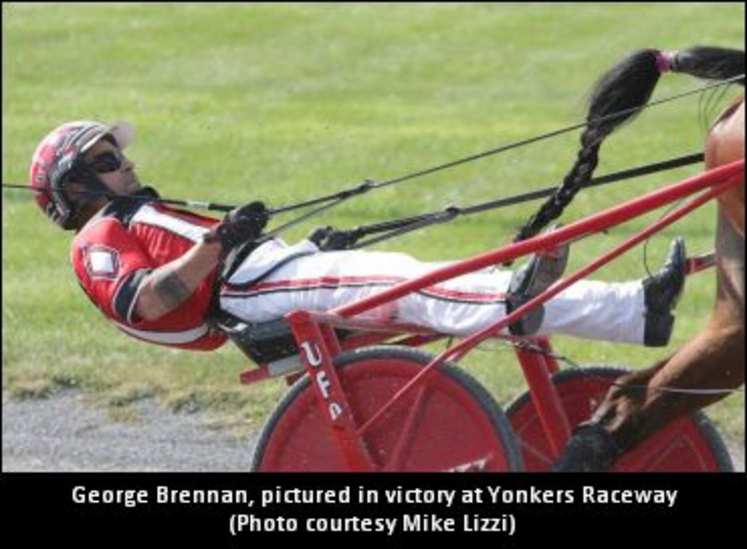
(321, 281)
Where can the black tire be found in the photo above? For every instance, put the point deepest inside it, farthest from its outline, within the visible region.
(362, 358)
(705, 428)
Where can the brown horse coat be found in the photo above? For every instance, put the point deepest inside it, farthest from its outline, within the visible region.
(715, 357)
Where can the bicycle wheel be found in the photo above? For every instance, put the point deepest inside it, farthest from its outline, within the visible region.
(687, 444)
(448, 422)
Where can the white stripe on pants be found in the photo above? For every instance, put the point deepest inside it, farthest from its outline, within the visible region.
(463, 305)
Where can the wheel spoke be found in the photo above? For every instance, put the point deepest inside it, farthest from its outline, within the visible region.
(535, 452)
(407, 432)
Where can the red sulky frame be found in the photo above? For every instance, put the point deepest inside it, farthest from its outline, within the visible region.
(319, 345)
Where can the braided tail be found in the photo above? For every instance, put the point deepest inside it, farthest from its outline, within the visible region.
(581, 173)
(617, 98)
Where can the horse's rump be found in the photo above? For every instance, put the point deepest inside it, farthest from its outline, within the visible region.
(726, 144)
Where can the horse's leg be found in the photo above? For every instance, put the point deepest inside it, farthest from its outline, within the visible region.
(714, 358)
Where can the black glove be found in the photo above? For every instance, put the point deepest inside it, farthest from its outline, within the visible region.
(319, 235)
(329, 239)
(241, 225)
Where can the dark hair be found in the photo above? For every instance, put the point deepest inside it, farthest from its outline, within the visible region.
(617, 98)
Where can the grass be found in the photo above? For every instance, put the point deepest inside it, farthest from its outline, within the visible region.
(234, 102)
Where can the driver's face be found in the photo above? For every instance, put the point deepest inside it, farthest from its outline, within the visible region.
(115, 170)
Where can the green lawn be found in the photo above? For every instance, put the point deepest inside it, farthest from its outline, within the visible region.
(287, 101)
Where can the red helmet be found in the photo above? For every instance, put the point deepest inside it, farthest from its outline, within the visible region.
(58, 154)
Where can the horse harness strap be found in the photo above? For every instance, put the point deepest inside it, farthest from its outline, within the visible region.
(262, 342)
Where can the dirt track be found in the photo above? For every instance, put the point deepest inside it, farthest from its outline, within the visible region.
(63, 434)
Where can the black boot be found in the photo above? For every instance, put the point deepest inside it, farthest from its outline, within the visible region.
(530, 280)
(590, 449)
(661, 293)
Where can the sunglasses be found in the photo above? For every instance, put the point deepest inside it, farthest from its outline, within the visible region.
(107, 162)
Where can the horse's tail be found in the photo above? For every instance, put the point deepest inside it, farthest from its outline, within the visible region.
(628, 85)
(617, 97)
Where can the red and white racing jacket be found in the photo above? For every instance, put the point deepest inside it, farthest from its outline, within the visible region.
(120, 246)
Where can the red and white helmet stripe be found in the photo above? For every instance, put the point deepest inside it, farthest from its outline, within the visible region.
(55, 157)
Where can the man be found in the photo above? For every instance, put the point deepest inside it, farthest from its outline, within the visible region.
(154, 271)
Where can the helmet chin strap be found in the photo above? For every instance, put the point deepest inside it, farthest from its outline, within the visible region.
(93, 188)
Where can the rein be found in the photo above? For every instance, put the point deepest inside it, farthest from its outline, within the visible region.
(410, 224)
(535, 349)
(349, 239)
(391, 229)
(367, 185)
